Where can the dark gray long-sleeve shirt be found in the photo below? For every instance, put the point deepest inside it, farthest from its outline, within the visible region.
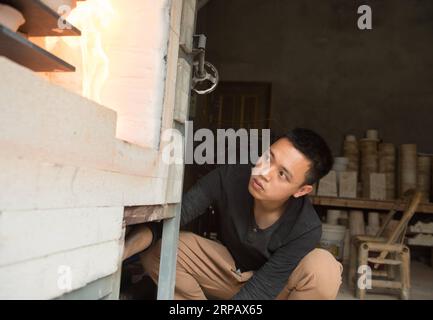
(272, 253)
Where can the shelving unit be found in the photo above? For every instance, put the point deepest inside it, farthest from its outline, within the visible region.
(41, 21)
(22, 51)
(360, 203)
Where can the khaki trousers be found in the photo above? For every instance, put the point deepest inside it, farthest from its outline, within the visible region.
(206, 270)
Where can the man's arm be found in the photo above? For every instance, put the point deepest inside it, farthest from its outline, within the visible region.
(270, 279)
(206, 191)
(197, 199)
(194, 203)
(139, 239)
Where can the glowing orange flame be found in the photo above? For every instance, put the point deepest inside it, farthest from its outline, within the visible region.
(91, 17)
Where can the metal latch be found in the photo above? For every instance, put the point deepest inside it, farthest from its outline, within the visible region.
(205, 76)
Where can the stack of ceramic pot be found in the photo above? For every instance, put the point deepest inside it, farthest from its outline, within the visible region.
(424, 176)
(332, 217)
(373, 224)
(356, 222)
(387, 166)
(369, 158)
(407, 168)
(351, 152)
(340, 164)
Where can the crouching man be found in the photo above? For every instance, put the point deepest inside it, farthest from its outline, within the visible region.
(269, 229)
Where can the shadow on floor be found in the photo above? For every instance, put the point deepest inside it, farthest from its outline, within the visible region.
(135, 284)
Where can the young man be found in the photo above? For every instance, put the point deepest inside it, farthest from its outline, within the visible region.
(269, 230)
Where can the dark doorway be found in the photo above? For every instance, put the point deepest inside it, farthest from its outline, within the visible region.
(234, 105)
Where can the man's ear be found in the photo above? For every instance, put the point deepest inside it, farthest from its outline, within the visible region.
(305, 189)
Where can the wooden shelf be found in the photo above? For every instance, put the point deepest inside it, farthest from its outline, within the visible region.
(22, 51)
(142, 214)
(41, 20)
(359, 203)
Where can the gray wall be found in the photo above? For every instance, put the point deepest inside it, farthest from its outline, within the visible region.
(325, 73)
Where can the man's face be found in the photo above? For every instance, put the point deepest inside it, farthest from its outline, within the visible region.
(280, 173)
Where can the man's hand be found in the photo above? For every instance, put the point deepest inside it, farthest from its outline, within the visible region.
(137, 240)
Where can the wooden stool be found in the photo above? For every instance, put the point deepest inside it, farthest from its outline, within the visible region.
(393, 254)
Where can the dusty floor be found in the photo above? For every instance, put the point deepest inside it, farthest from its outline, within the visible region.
(422, 285)
(421, 277)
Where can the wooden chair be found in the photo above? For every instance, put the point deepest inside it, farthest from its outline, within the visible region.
(389, 252)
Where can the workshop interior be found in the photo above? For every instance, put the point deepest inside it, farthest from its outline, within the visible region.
(89, 89)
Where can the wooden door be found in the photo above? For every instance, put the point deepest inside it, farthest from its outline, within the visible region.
(235, 105)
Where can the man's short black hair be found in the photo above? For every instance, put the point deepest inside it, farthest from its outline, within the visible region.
(315, 149)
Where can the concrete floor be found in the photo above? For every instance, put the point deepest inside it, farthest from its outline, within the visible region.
(421, 277)
(422, 285)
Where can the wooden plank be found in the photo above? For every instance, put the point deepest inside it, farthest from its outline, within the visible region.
(32, 234)
(379, 273)
(385, 284)
(43, 278)
(41, 20)
(366, 204)
(381, 246)
(362, 261)
(141, 214)
(384, 261)
(17, 48)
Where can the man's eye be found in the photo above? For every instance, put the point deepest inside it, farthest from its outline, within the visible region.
(282, 174)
